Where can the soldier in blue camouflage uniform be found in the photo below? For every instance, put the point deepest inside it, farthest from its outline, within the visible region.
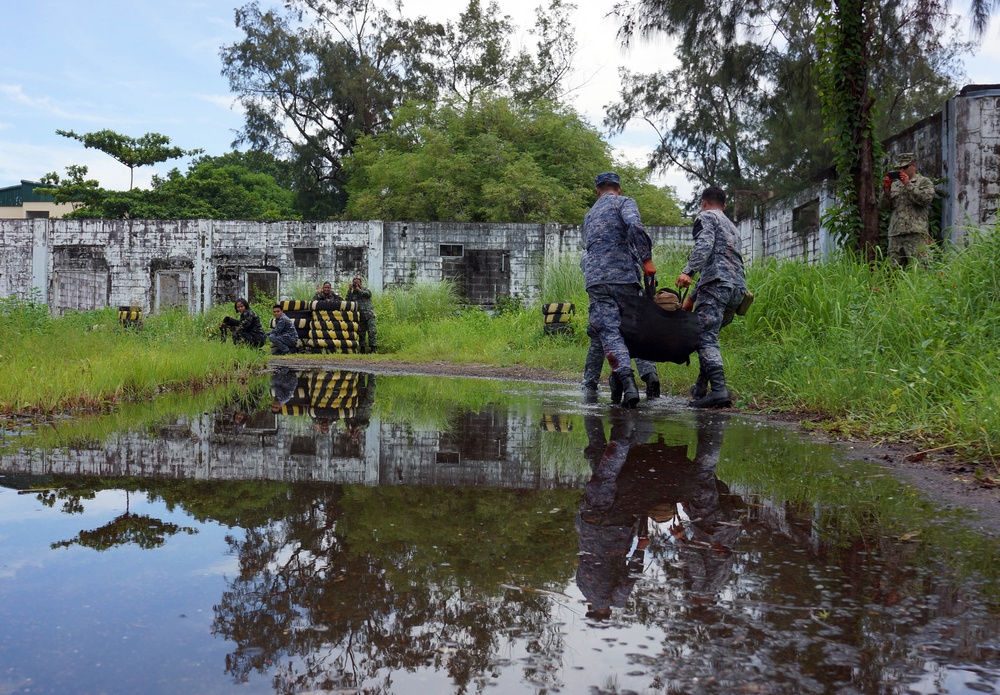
(909, 197)
(284, 337)
(246, 329)
(595, 363)
(367, 330)
(721, 287)
(615, 243)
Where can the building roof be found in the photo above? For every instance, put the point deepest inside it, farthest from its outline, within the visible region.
(24, 192)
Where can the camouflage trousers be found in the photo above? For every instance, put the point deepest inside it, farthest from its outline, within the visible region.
(367, 330)
(606, 303)
(715, 306)
(595, 363)
(904, 248)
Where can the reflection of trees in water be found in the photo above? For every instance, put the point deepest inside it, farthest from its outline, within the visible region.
(138, 529)
(357, 583)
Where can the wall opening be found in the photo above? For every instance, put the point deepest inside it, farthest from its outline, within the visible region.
(306, 257)
(173, 289)
(262, 284)
(350, 261)
(80, 290)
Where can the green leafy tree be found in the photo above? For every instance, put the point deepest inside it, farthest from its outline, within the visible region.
(151, 148)
(212, 188)
(492, 160)
(316, 78)
(742, 110)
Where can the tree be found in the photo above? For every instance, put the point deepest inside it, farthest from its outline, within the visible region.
(149, 149)
(743, 109)
(315, 79)
(492, 160)
(212, 188)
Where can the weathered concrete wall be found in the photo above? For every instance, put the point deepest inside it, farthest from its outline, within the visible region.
(974, 151)
(789, 228)
(485, 260)
(961, 143)
(17, 240)
(293, 449)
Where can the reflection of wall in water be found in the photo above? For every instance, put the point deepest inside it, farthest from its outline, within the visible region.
(493, 447)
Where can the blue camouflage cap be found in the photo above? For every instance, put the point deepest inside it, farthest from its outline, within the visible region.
(607, 177)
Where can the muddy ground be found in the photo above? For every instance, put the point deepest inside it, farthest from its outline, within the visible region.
(944, 478)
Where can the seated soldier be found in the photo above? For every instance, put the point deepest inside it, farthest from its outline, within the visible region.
(325, 293)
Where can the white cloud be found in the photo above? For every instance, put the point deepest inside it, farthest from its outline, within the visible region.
(225, 101)
(45, 105)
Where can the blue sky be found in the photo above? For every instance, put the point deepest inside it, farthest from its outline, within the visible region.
(143, 66)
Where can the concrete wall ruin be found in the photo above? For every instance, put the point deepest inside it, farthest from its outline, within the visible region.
(194, 264)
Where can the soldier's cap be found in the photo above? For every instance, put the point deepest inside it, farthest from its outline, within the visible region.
(906, 159)
(607, 177)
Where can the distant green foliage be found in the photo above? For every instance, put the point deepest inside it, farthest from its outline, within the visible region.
(491, 160)
(212, 188)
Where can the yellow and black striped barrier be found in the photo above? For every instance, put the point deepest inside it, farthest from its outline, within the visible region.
(556, 423)
(557, 316)
(130, 316)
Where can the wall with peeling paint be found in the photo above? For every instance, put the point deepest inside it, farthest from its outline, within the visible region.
(194, 264)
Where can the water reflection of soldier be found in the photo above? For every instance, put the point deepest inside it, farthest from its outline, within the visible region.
(284, 382)
(362, 415)
(705, 539)
(612, 535)
(634, 479)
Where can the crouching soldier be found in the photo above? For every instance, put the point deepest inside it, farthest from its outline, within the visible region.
(246, 329)
(284, 338)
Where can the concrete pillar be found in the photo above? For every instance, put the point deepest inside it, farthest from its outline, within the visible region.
(376, 256)
(41, 259)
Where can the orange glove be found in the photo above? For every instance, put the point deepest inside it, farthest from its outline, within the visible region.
(648, 268)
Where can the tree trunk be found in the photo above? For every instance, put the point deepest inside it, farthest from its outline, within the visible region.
(864, 185)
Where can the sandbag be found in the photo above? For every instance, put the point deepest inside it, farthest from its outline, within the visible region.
(655, 334)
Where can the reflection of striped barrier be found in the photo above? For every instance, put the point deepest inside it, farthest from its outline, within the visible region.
(557, 316)
(317, 413)
(331, 395)
(556, 423)
(130, 316)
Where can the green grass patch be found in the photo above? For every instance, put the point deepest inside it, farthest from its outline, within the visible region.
(88, 361)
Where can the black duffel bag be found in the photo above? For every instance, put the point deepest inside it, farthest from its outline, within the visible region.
(658, 335)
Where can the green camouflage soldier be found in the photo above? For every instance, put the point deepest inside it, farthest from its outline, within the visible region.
(909, 195)
(325, 293)
(367, 332)
(246, 329)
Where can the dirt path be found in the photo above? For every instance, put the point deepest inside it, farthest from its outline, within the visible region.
(942, 477)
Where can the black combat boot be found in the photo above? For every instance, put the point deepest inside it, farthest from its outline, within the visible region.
(719, 397)
(629, 391)
(589, 390)
(700, 387)
(652, 386)
(616, 388)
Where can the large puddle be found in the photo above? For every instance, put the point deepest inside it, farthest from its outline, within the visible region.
(315, 534)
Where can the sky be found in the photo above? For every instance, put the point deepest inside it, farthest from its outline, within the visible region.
(151, 66)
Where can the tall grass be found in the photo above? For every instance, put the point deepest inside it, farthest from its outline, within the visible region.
(897, 354)
(86, 360)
